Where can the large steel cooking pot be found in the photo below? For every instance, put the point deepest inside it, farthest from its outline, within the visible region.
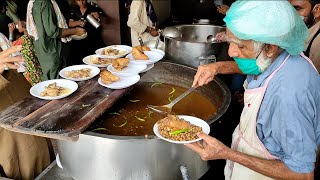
(193, 49)
(98, 156)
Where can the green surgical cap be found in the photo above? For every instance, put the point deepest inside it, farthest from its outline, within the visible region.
(270, 22)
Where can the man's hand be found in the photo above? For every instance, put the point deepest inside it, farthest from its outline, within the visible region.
(8, 62)
(81, 23)
(11, 26)
(205, 74)
(153, 32)
(210, 149)
(80, 31)
(223, 9)
(96, 16)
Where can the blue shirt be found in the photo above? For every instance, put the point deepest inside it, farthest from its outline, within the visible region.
(288, 121)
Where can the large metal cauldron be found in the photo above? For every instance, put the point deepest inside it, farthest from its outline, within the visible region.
(98, 156)
(193, 49)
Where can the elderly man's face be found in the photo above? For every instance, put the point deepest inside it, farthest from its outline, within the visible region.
(303, 8)
(240, 48)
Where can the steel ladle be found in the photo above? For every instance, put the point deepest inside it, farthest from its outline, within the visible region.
(171, 32)
(165, 109)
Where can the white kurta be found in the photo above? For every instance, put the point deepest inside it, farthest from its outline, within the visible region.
(138, 21)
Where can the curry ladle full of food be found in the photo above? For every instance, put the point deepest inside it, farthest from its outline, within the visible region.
(166, 109)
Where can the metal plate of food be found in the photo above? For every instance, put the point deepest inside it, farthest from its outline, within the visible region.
(180, 129)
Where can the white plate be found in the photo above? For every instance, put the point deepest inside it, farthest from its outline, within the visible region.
(153, 58)
(124, 50)
(37, 89)
(129, 48)
(124, 82)
(87, 61)
(159, 51)
(94, 71)
(149, 66)
(83, 36)
(193, 120)
(130, 70)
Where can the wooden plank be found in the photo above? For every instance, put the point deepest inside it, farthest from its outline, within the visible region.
(61, 119)
(21, 109)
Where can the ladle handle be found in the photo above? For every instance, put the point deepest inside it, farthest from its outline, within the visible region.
(181, 96)
(157, 43)
(140, 41)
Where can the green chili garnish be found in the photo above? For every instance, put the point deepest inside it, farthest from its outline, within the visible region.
(170, 98)
(140, 119)
(150, 112)
(179, 131)
(156, 83)
(121, 124)
(136, 100)
(100, 129)
(114, 113)
(173, 90)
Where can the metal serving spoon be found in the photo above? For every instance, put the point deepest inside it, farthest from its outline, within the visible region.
(165, 109)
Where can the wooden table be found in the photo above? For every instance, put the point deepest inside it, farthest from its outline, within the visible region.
(61, 119)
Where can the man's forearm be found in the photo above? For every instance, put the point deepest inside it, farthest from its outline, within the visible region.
(271, 168)
(67, 32)
(228, 67)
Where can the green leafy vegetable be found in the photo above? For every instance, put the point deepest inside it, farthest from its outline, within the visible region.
(172, 91)
(179, 131)
(150, 112)
(155, 84)
(170, 98)
(140, 119)
(100, 129)
(136, 100)
(114, 113)
(121, 124)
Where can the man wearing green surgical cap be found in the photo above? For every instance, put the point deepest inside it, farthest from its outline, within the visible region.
(279, 131)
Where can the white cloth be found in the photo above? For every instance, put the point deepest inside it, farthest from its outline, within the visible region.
(31, 26)
(138, 21)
